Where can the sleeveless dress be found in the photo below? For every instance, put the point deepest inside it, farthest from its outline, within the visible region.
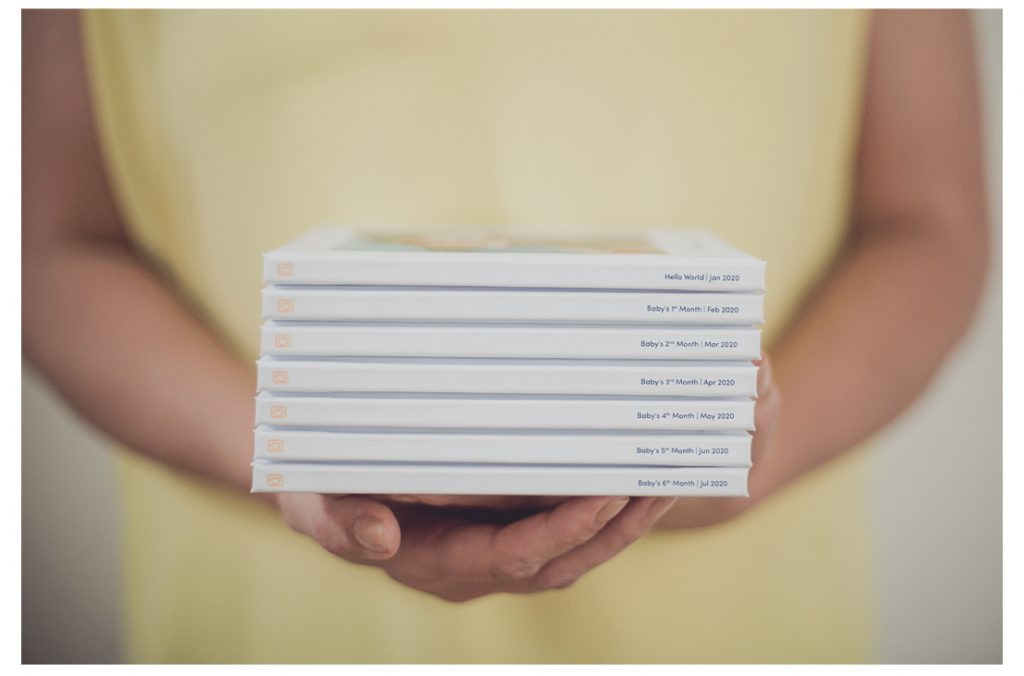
(229, 133)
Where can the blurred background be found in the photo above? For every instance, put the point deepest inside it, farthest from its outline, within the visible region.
(939, 521)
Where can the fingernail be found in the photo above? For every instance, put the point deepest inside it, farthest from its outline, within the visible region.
(369, 531)
(611, 508)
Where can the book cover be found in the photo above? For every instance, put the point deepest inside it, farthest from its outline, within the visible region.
(399, 339)
(507, 376)
(690, 449)
(473, 304)
(658, 259)
(484, 479)
(494, 411)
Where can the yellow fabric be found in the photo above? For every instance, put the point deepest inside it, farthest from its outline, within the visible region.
(228, 134)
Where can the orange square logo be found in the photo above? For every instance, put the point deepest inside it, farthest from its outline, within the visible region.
(285, 306)
(275, 481)
(282, 341)
(285, 269)
(275, 445)
(280, 377)
(278, 411)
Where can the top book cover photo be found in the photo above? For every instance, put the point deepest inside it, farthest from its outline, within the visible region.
(681, 260)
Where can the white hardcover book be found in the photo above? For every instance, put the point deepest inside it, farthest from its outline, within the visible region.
(396, 339)
(482, 479)
(507, 376)
(494, 411)
(452, 304)
(691, 449)
(677, 260)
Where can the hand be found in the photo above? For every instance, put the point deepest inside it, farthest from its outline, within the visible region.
(699, 512)
(459, 554)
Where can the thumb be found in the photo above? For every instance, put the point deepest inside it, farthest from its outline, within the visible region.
(352, 527)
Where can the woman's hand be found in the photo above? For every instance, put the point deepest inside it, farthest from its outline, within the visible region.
(698, 512)
(462, 547)
(460, 554)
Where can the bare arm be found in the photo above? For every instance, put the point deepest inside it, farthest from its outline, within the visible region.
(902, 294)
(116, 341)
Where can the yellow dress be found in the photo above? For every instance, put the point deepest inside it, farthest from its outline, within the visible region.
(229, 133)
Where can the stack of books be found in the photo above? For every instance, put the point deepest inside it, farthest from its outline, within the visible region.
(478, 363)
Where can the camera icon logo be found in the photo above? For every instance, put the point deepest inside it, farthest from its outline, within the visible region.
(280, 377)
(278, 411)
(282, 341)
(275, 481)
(285, 269)
(275, 445)
(285, 306)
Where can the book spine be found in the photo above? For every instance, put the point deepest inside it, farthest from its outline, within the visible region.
(281, 267)
(726, 380)
(505, 413)
(679, 450)
(333, 303)
(377, 478)
(308, 339)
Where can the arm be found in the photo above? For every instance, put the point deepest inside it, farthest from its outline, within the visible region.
(114, 339)
(123, 349)
(903, 292)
